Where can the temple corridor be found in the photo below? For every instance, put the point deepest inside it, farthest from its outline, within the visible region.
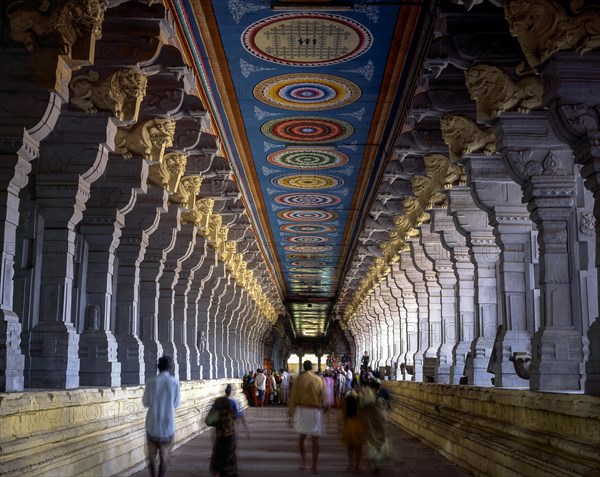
(233, 183)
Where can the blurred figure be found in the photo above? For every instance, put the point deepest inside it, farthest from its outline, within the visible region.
(223, 461)
(260, 381)
(328, 388)
(306, 402)
(375, 408)
(161, 397)
(353, 430)
(284, 387)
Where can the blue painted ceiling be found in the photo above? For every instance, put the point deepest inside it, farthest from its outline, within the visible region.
(308, 97)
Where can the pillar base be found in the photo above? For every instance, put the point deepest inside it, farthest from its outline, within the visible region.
(556, 357)
(152, 351)
(11, 378)
(131, 357)
(98, 359)
(54, 356)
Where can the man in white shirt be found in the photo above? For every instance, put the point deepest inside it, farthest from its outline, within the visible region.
(260, 381)
(161, 397)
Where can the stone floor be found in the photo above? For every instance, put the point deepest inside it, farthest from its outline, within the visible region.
(272, 451)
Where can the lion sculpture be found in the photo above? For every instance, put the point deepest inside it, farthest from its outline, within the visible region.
(122, 93)
(543, 28)
(495, 92)
(64, 24)
(148, 139)
(463, 136)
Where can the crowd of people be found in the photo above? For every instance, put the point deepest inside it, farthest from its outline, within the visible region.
(363, 401)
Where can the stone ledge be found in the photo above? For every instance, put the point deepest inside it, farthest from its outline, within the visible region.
(503, 432)
(90, 431)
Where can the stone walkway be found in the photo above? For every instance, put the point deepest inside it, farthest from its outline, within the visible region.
(272, 451)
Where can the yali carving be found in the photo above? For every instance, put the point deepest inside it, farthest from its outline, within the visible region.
(62, 26)
(495, 92)
(148, 139)
(122, 93)
(543, 28)
(463, 136)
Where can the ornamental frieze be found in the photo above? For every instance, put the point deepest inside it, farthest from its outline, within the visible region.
(121, 93)
(543, 27)
(495, 92)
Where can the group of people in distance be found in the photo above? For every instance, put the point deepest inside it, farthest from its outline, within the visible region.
(363, 401)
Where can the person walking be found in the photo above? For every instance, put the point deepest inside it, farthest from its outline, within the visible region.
(353, 427)
(284, 386)
(305, 404)
(260, 381)
(223, 461)
(161, 397)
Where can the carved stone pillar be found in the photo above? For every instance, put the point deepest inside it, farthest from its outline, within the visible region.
(572, 90)
(154, 335)
(501, 197)
(415, 296)
(472, 222)
(544, 168)
(140, 225)
(464, 270)
(184, 262)
(408, 324)
(215, 330)
(398, 316)
(445, 336)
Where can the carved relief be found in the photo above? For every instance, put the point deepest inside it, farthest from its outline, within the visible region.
(495, 92)
(424, 191)
(122, 93)
(188, 189)
(543, 28)
(587, 223)
(169, 171)
(148, 139)
(62, 26)
(463, 136)
(213, 227)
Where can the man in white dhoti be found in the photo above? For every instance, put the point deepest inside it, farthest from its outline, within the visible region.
(306, 404)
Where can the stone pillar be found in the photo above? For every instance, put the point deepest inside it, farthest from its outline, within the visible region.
(434, 319)
(205, 286)
(83, 155)
(215, 328)
(464, 270)
(410, 328)
(446, 335)
(398, 316)
(34, 87)
(572, 90)
(140, 225)
(544, 167)
(112, 198)
(472, 222)
(161, 243)
(501, 197)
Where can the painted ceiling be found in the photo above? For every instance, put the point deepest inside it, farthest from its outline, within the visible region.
(308, 98)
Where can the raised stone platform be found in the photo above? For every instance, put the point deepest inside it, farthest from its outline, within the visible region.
(502, 432)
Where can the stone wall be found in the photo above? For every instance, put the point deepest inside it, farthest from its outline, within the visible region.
(90, 432)
(502, 432)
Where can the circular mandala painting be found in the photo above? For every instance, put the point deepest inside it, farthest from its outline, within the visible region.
(307, 239)
(308, 248)
(306, 39)
(307, 93)
(307, 181)
(310, 159)
(307, 215)
(307, 228)
(303, 129)
(306, 263)
(308, 200)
